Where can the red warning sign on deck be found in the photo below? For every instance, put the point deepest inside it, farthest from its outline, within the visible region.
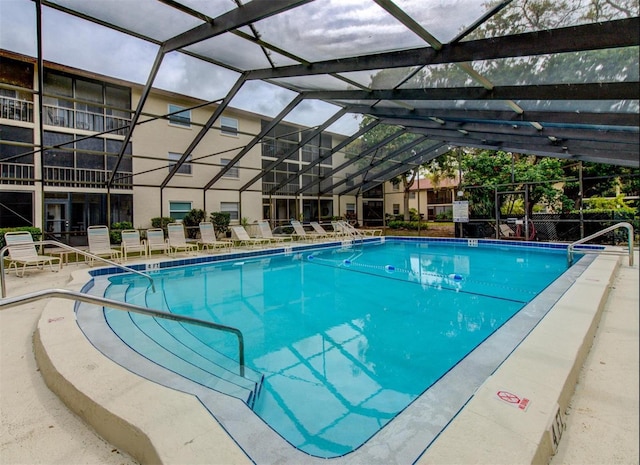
(513, 399)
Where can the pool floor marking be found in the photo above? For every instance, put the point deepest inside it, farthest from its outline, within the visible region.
(513, 399)
(390, 276)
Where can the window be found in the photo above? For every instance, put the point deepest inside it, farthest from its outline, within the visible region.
(228, 126)
(396, 187)
(412, 195)
(185, 168)
(233, 171)
(396, 208)
(179, 118)
(351, 208)
(231, 208)
(178, 210)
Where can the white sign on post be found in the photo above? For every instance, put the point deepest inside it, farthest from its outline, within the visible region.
(461, 211)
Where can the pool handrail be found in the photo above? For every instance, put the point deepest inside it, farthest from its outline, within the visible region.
(75, 250)
(623, 224)
(115, 304)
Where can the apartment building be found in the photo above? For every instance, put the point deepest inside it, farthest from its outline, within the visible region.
(84, 175)
(433, 201)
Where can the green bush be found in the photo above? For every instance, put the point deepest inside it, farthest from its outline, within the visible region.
(221, 221)
(410, 225)
(192, 220)
(161, 222)
(115, 231)
(36, 233)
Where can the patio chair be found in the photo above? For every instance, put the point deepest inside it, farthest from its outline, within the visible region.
(323, 232)
(177, 240)
(301, 234)
(209, 240)
(267, 233)
(243, 238)
(132, 243)
(22, 251)
(156, 241)
(354, 232)
(100, 244)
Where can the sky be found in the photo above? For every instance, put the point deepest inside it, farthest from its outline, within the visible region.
(331, 28)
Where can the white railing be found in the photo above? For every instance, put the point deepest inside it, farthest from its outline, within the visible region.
(629, 251)
(20, 174)
(77, 177)
(16, 109)
(86, 120)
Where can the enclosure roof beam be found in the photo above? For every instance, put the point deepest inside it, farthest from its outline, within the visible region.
(377, 162)
(310, 135)
(361, 155)
(610, 34)
(324, 156)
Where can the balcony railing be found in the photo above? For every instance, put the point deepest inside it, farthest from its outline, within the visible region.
(18, 174)
(16, 109)
(86, 120)
(75, 177)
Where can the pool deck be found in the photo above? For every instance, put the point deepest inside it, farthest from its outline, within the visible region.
(601, 418)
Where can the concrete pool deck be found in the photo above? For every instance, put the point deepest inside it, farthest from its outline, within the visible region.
(602, 416)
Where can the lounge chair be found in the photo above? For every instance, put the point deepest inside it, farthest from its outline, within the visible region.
(177, 239)
(323, 232)
(22, 251)
(301, 234)
(156, 241)
(348, 229)
(132, 243)
(243, 238)
(208, 238)
(266, 233)
(100, 244)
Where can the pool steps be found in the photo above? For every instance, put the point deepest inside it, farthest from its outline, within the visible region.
(175, 348)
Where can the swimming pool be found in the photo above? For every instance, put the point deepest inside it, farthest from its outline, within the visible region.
(346, 337)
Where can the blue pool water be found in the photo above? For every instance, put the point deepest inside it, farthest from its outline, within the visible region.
(338, 341)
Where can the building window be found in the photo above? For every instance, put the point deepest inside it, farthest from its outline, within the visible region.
(396, 187)
(351, 209)
(228, 126)
(185, 168)
(233, 172)
(179, 118)
(396, 208)
(231, 208)
(178, 210)
(412, 195)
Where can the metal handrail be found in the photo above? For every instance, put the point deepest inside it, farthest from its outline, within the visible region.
(71, 249)
(102, 301)
(629, 229)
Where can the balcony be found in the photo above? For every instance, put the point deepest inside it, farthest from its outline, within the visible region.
(85, 120)
(16, 174)
(84, 178)
(16, 109)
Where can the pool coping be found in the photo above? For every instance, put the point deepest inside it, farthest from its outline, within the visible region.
(116, 402)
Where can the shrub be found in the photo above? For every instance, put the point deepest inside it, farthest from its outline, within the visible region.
(161, 222)
(192, 220)
(115, 231)
(36, 233)
(220, 221)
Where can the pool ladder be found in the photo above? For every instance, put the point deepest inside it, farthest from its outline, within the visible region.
(628, 251)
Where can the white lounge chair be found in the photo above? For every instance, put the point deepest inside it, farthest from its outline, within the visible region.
(209, 240)
(267, 233)
(156, 241)
(23, 252)
(243, 238)
(100, 244)
(132, 243)
(301, 234)
(323, 232)
(177, 240)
